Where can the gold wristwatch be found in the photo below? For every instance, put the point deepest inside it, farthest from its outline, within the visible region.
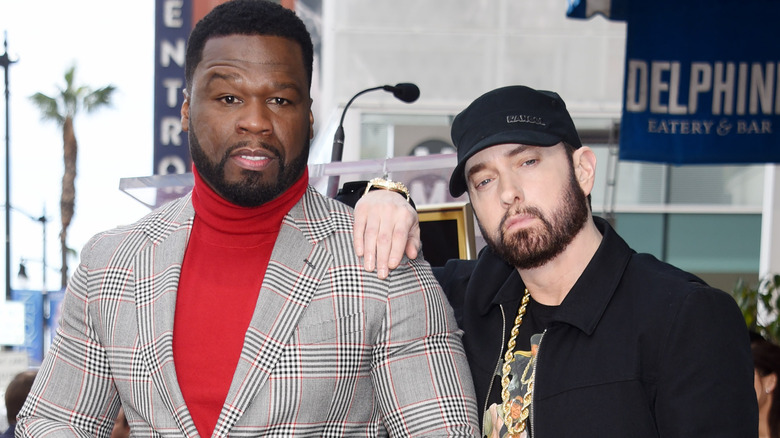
(386, 184)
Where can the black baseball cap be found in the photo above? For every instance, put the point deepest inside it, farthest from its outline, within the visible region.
(514, 114)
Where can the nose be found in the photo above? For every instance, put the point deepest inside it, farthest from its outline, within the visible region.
(511, 191)
(254, 118)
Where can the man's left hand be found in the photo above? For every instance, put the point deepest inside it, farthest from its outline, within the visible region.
(386, 227)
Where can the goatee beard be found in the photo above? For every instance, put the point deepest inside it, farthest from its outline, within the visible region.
(534, 247)
(251, 190)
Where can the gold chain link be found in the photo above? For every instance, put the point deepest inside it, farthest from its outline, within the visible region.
(509, 357)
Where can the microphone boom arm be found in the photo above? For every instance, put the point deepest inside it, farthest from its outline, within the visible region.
(406, 92)
(338, 139)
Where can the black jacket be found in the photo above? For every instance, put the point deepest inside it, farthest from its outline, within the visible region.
(638, 348)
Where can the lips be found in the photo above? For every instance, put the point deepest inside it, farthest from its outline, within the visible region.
(251, 153)
(252, 159)
(517, 220)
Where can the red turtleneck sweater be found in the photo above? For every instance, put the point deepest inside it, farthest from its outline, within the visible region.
(223, 269)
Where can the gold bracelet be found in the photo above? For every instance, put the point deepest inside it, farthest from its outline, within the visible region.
(385, 184)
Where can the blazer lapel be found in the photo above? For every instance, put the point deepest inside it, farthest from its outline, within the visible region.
(296, 268)
(157, 271)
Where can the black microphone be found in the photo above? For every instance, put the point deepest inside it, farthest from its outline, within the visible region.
(406, 92)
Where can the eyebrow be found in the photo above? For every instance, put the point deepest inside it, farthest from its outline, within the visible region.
(511, 153)
(518, 150)
(286, 85)
(474, 169)
(215, 76)
(233, 77)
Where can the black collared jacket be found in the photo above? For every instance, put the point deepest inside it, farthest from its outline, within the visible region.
(638, 348)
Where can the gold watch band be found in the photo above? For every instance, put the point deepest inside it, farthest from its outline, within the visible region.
(385, 184)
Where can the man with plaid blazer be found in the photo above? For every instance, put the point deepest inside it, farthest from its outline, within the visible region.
(325, 347)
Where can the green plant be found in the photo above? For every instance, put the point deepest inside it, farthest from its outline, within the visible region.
(761, 318)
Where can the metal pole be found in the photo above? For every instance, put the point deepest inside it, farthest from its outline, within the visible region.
(42, 220)
(5, 61)
(44, 292)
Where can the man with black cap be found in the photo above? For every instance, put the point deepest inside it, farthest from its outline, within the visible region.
(568, 331)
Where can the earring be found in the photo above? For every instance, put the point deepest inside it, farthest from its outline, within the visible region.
(766, 390)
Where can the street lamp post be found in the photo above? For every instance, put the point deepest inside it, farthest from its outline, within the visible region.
(42, 220)
(6, 62)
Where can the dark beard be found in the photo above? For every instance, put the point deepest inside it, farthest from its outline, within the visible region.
(532, 248)
(251, 191)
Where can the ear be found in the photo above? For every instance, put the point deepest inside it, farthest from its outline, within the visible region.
(185, 112)
(770, 381)
(311, 125)
(584, 160)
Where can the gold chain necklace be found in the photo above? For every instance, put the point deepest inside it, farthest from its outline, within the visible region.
(509, 357)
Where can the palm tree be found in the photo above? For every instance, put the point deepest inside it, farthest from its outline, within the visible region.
(62, 108)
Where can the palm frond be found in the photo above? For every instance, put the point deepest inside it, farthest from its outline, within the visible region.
(48, 106)
(70, 74)
(99, 98)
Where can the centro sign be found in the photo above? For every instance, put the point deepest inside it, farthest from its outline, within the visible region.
(173, 24)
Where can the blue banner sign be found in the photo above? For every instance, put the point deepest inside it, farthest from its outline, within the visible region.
(33, 322)
(701, 81)
(172, 27)
(55, 313)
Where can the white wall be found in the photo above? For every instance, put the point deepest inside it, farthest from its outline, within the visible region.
(455, 50)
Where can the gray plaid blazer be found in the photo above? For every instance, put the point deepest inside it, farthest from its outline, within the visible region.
(331, 349)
